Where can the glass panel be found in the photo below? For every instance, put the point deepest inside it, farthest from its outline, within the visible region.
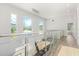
(53, 37)
(36, 46)
(9, 47)
(30, 45)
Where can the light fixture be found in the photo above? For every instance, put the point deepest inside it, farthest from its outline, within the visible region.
(51, 19)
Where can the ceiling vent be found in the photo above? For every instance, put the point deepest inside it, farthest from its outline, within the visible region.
(35, 11)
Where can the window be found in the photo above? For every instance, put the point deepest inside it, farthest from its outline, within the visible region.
(27, 27)
(41, 27)
(13, 23)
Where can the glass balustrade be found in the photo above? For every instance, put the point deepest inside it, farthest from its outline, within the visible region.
(53, 36)
(30, 44)
(12, 45)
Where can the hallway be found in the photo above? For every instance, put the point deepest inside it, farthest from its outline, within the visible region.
(67, 47)
(70, 41)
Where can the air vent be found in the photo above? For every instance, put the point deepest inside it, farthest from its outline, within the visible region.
(35, 11)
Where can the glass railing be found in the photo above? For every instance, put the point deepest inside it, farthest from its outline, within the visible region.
(29, 44)
(10, 44)
(54, 37)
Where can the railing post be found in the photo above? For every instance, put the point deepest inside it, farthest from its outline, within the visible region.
(25, 45)
(45, 37)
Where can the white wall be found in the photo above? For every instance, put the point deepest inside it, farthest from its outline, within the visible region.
(71, 17)
(78, 23)
(61, 17)
(5, 13)
(56, 24)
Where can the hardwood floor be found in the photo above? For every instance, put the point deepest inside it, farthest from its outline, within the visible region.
(70, 41)
(67, 41)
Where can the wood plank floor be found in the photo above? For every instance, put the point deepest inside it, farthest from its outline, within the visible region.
(68, 51)
(67, 47)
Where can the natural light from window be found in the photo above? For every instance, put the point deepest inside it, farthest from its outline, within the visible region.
(27, 28)
(13, 23)
(41, 25)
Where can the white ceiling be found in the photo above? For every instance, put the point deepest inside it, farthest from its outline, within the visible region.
(46, 10)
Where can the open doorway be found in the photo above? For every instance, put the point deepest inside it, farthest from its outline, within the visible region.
(70, 28)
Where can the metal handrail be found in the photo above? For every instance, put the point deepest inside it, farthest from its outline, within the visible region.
(26, 36)
(55, 30)
(10, 35)
(18, 34)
